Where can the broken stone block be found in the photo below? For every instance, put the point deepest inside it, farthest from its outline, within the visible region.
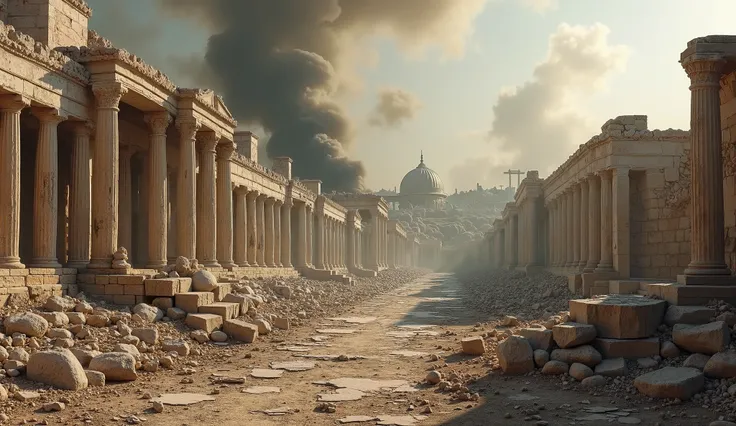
(629, 349)
(555, 368)
(671, 382)
(98, 321)
(190, 302)
(688, 315)
(241, 330)
(179, 346)
(205, 322)
(669, 350)
(239, 299)
(618, 316)
(541, 357)
(721, 365)
(148, 312)
(162, 287)
(611, 367)
(116, 366)
(58, 368)
(698, 361)
(515, 355)
(264, 327)
(473, 346)
(580, 371)
(585, 354)
(95, 378)
(571, 334)
(224, 309)
(538, 337)
(222, 290)
(707, 338)
(55, 319)
(147, 334)
(175, 314)
(281, 323)
(59, 304)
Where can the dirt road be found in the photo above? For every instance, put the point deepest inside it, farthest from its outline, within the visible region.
(388, 342)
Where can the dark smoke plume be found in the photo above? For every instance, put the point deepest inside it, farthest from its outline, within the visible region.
(276, 60)
(394, 108)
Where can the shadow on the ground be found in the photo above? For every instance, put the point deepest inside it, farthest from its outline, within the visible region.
(441, 304)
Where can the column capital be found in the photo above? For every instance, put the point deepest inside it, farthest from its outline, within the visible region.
(108, 93)
(704, 70)
(13, 103)
(288, 202)
(605, 174)
(240, 190)
(621, 171)
(49, 115)
(225, 150)
(269, 200)
(209, 140)
(188, 126)
(158, 122)
(253, 194)
(278, 202)
(82, 128)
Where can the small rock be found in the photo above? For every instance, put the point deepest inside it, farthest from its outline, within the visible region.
(474, 346)
(434, 377)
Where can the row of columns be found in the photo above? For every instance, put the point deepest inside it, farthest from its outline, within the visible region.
(331, 243)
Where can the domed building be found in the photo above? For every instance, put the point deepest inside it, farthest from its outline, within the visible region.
(421, 187)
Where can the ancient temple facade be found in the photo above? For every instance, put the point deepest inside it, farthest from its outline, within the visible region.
(635, 210)
(99, 151)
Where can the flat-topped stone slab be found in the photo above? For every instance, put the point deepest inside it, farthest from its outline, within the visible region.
(628, 348)
(619, 316)
(671, 382)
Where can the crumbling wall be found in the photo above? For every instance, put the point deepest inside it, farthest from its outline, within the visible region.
(728, 124)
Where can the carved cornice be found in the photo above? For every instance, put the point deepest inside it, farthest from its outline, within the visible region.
(199, 96)
(253, 166)
(108, 94)
(81, 6)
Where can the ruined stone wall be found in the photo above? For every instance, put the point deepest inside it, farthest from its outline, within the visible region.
(728, 123)
(52, 22)
(660, 226)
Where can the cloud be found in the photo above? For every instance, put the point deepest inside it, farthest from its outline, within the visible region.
(394, 108)
(540, 6)
(538, 124)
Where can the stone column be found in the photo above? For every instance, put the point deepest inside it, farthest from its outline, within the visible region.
(46, 194)
(583, 224)
(268, 226)
(252, 227)
(373, 262)
(286, 233)
(187, 196)
(552, 231)
(240, 228)
(534, 249)
(261, 230)
(157, 190)
(207, 201)
(224, 198)
(576, 226)
(594, 223)
(301, 255)
(125, 206)
(10, 109)
(620, 228)
(310, 236)
(561, 223)
(606, 263)
(350, 245)
(105, 170)
(277, 234)
(171, 243)
(80, 196)
(335, 254)
(571, 260)
(319, 246)
(707, 247)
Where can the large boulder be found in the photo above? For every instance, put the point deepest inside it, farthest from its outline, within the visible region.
(147, 312)
(721, 365)
(695, 315)
(58, 368)
(28, 323)
(59, 304)
(585, 354)
(203, 281)
(116, 366)
(571, 334)
(706, 339)
(515, 355)
(671, 382)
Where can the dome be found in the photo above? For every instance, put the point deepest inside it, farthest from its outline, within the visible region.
(422, 181)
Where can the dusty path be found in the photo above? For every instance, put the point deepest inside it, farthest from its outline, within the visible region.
(427, 317)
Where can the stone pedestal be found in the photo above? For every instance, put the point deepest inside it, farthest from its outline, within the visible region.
(10, 109)
(158, 191)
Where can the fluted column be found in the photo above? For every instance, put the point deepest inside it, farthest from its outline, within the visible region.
(80, 195)
(171, 243)
(373, 262)
(552, 234)
(105, 174)
(277, 233)
(560, 231)
(46, 195)
(310, 237)
(252, 226)
(207, 237)
(240, 228)
(301, 255)
(571, 261)
(319, 247)
(584, 216)
(350, 245)
(606, 263)
(187, 196)
(261, 230)
(333, 239)
(10, 109)
(576, 226)
(225, 150)
(268, 254)
(157, 190)
(125, 203)
(594, 223)
(286, 233)
(707, 247)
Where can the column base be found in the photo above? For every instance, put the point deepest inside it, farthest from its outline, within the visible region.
(11, 263)
(711, 280)
(228, 264)
(210, 264)
(156, 264)
(604, 268)
(77, 264)
(100, 263)
(243, 264)
(533, 269)
(45, 263)
(270, 265)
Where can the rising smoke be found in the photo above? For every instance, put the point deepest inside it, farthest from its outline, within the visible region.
(394, 108)
(280, 63)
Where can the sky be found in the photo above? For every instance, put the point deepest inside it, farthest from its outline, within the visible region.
(478, 86)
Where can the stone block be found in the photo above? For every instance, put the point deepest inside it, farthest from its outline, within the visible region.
(222, 290)
(162, 287)
(705, 339)
(627, 348)
(239, 299)
(241, 330)
(688, 315)
(671, 382)
(114, 289)
(185, 285)
(623, 287)
(473, 346)
(206, 322)
(190, 302)
(68, 279)
(538, 337)
(571, 334)
(134, 290)
(612, 367)
(102, 279)
(124, 299)
(226, 310)
(619, 316)
(575, 283)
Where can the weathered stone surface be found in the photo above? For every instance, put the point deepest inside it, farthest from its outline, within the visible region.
(55, 319)
(239, 299)
(698, 361)
(472, 346)
(515, 355)
(627, 348)
(541, 357)
(204, 281)
(179, 346)
(611, 367)
(619, 316)
(176, 314)
(707, 338)
(669, 350)
(58, 368)
(148, 312)
(95, 378)
(580, 371)
(555, 368)
(241, 330)
(59, 304)
(146, 334)
(205, 322)
(190, 302)
(571, 334)
(671, 382)
(585, 354)
(116, 366)
(721, 365)
(593, 382)
(30, 324)
(84, 356)
(538, 337)
(224, 309)
(688, 315)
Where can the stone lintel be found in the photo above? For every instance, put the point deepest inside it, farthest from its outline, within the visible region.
(712, 47)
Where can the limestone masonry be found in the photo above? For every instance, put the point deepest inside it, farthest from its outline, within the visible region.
(635, 210)
(110, 173)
